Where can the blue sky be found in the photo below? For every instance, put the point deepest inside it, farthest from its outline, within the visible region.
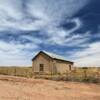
(70, 28)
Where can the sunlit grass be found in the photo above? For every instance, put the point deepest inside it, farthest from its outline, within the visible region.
(16, 71)
(78, 74)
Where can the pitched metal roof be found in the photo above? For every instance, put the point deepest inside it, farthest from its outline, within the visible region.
(55, 56)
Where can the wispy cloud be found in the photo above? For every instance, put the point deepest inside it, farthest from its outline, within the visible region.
(16, 53)
(62, 37)
(36, 14)
(27, 26)
(89, 56)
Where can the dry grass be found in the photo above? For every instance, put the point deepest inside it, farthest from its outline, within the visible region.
(16, 71)
(78, 74)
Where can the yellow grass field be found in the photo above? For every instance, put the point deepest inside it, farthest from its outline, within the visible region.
(78, 74)
(16, 71)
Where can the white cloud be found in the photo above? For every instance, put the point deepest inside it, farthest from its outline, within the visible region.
(16, 53)
(15, 46)
(56, 9)
(89, 56)
(10, 8)
(39, 13)
(66, 37)
(33, 39)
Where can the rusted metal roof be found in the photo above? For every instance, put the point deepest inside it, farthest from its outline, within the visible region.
(55, 56)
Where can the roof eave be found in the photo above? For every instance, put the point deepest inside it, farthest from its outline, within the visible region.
(64, 60)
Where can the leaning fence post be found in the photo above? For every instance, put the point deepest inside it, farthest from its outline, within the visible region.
(66, 75)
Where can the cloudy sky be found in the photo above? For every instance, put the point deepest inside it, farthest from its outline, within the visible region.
(70, 28)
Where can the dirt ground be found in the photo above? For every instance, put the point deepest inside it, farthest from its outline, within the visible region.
(15, 88)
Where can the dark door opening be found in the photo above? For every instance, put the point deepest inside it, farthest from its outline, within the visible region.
(70, 67)
(41, 67)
